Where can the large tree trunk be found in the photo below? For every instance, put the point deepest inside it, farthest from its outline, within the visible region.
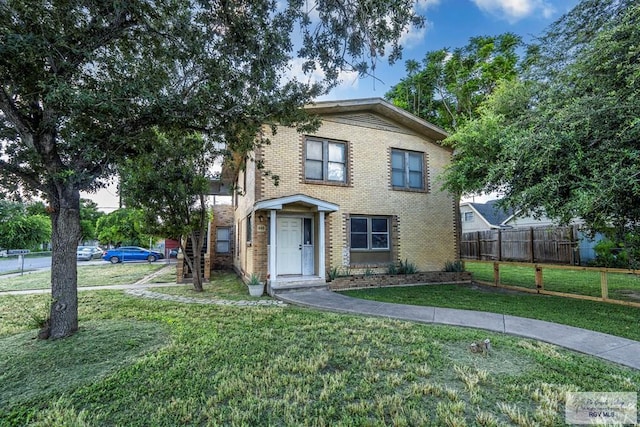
(65, 222)
(197, 241)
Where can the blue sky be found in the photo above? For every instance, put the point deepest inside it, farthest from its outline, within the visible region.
(451, 23)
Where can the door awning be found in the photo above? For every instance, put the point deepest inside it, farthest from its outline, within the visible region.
(278, 203)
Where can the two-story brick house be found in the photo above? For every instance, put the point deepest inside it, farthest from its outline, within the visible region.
(359, 193)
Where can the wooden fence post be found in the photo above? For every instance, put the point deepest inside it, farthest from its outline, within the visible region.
(496, 273)
(478, 245)
(604, 284)
(499, 244)
(539, 282)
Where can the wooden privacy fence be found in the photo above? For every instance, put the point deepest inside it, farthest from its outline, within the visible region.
(557, 245)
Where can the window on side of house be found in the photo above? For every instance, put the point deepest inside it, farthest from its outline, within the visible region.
(370, 239)
(467, 217)
(407, 170)
(223, 240)
(249, 229)
(325, 160)
(238, 246)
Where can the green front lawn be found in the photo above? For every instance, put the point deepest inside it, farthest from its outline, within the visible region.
(140, 362)
(603, 317)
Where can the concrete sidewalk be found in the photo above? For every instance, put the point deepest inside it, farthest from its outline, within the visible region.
(92, 288)
(609, 347)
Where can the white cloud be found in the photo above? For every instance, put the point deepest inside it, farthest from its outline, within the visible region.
(348, 79)
(426, 4)
(515, 10)
(412, 36)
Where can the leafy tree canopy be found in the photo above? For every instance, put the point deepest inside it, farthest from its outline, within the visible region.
(89, 215)
(20, 228)
(170, 187)
(565, 139)
(122, 227)
(449, 85)
(82, 84)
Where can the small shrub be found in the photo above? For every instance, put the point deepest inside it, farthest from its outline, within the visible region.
(407, 267)
(368, 272)
(610, 254)
(332, 273)
(335, 272)
(392, 268)
(618, 252)
(254, 280)
(454, 266)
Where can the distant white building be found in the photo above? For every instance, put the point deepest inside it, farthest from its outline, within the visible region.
(487, 216)
(482, 216)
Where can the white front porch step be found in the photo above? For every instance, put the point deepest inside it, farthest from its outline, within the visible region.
(285, 284)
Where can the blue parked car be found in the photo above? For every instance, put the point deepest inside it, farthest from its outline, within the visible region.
(131, 253)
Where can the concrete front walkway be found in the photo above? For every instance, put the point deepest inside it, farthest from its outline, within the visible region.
(609, 347)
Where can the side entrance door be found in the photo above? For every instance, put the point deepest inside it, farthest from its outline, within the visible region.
(289, 249)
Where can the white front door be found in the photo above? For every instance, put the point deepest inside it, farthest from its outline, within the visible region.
(289, 245)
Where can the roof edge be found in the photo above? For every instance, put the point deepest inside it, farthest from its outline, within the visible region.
(382, 107)
(279, 202)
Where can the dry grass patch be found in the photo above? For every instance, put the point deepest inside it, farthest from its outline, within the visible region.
(222, 285)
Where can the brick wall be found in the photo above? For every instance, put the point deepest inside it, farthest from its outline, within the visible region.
(386, 280)
(222, 217)
(260, 247)
(426, 220)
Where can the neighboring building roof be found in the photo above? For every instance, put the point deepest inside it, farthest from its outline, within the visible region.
(491, 213)
(383, 108)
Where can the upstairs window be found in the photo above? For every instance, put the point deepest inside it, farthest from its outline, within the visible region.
(325, 160)
(467, 217)
(407, 170)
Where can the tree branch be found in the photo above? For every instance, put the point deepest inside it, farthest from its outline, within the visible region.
(30, 178)
(21, 123)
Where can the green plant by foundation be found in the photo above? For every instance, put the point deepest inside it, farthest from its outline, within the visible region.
(254, 280)
(454, 266)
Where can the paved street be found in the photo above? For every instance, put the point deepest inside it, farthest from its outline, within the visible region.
(13, 263)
